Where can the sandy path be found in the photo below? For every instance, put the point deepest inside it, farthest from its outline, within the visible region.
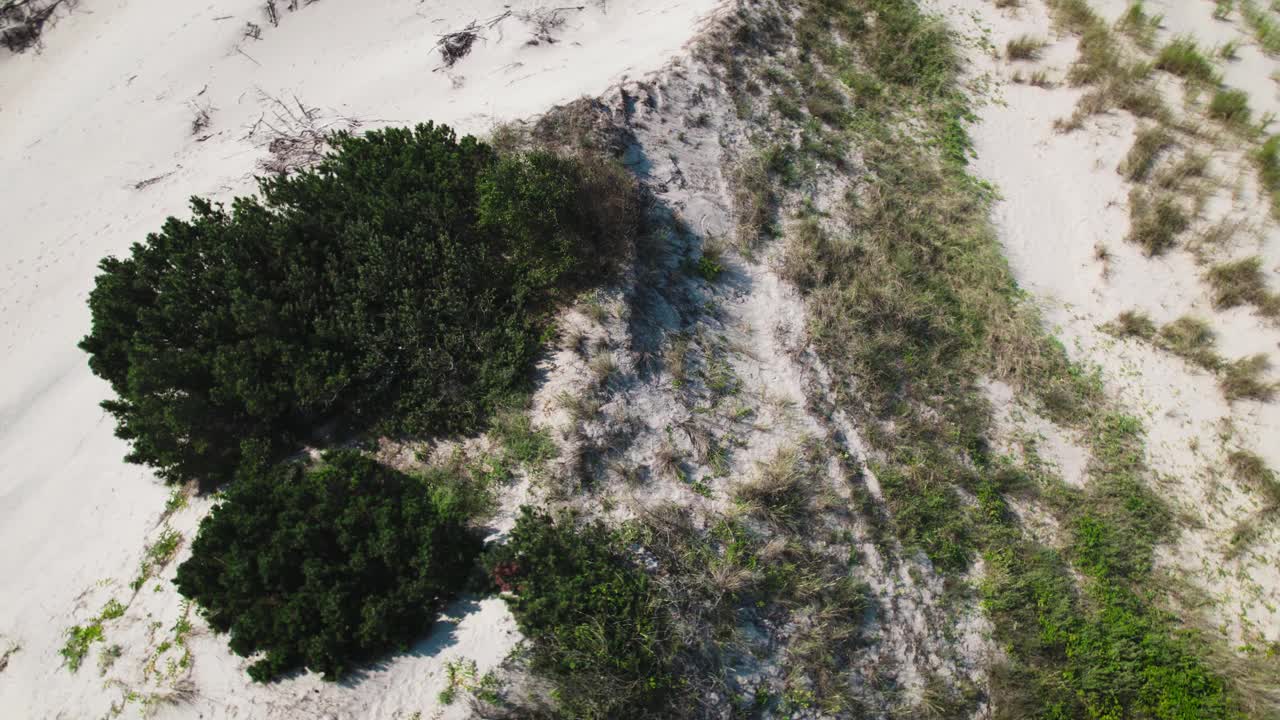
(108, 104)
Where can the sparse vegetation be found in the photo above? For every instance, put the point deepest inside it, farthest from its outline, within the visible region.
(1148, 146)
(1242, 282)
(1243, 379)
(1156, 219)
(1268, 159)
(1183, 57)
(1231, 107)
(1252, 472)
(1191, 339)
(1024, 47)
(1265, 27)
(323, 567)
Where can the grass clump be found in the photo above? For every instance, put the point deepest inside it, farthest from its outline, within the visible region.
(1265, 27)
(1024, 47)
(1138, 25)
(323, 567)
(1183, 57)
(1146, 150)
(1243, 379)
(1132, 323)
(1267, 158)
(1230, 106)
(1191, 339)
(1242, 282)
(1156, 219)
(401, 286)
(1252, 472)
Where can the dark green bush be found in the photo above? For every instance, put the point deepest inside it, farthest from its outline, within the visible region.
(402, 286)
(589, 614)
(326, 566)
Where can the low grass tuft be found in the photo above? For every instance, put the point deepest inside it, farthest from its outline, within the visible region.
(1231, 107)
(1148, 146)
(1132, 323)
(1024, 47)
(1242, 282)
(1156, 219)
(1252, 472)
(1191, 339)
(1183, 57)
(1243, 379)
(1267, 158)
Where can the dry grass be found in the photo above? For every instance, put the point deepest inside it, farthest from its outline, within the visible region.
(1252, 472)
(1242, 282)
(1243, 379)
(1191, 339)
(1024, 47)
(1156, 219)
(1132, 323)
(1146, 150)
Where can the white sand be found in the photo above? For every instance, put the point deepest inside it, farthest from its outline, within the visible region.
(108, 103)
(1062, 197)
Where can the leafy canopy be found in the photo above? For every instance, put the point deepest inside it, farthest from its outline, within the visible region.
(401, 285)
(325, 566)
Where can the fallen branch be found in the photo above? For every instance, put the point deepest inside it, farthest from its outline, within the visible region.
(295, 136)
(456, 45)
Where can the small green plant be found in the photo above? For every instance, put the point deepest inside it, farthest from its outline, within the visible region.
(112, 610)
(1222, 9)
(1229, 50)
(1230, 106)
(709, 268)
(1024, 47)
(459, 675)
(156, 556)
(79, 638)
(1183, 57)
(177, 500)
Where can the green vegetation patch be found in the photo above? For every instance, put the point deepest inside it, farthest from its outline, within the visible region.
(590, 614)
(402, 285)
(321, 567)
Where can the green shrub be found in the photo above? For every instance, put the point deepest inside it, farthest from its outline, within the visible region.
(324, 567)
(590, 615)
(402, 285)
